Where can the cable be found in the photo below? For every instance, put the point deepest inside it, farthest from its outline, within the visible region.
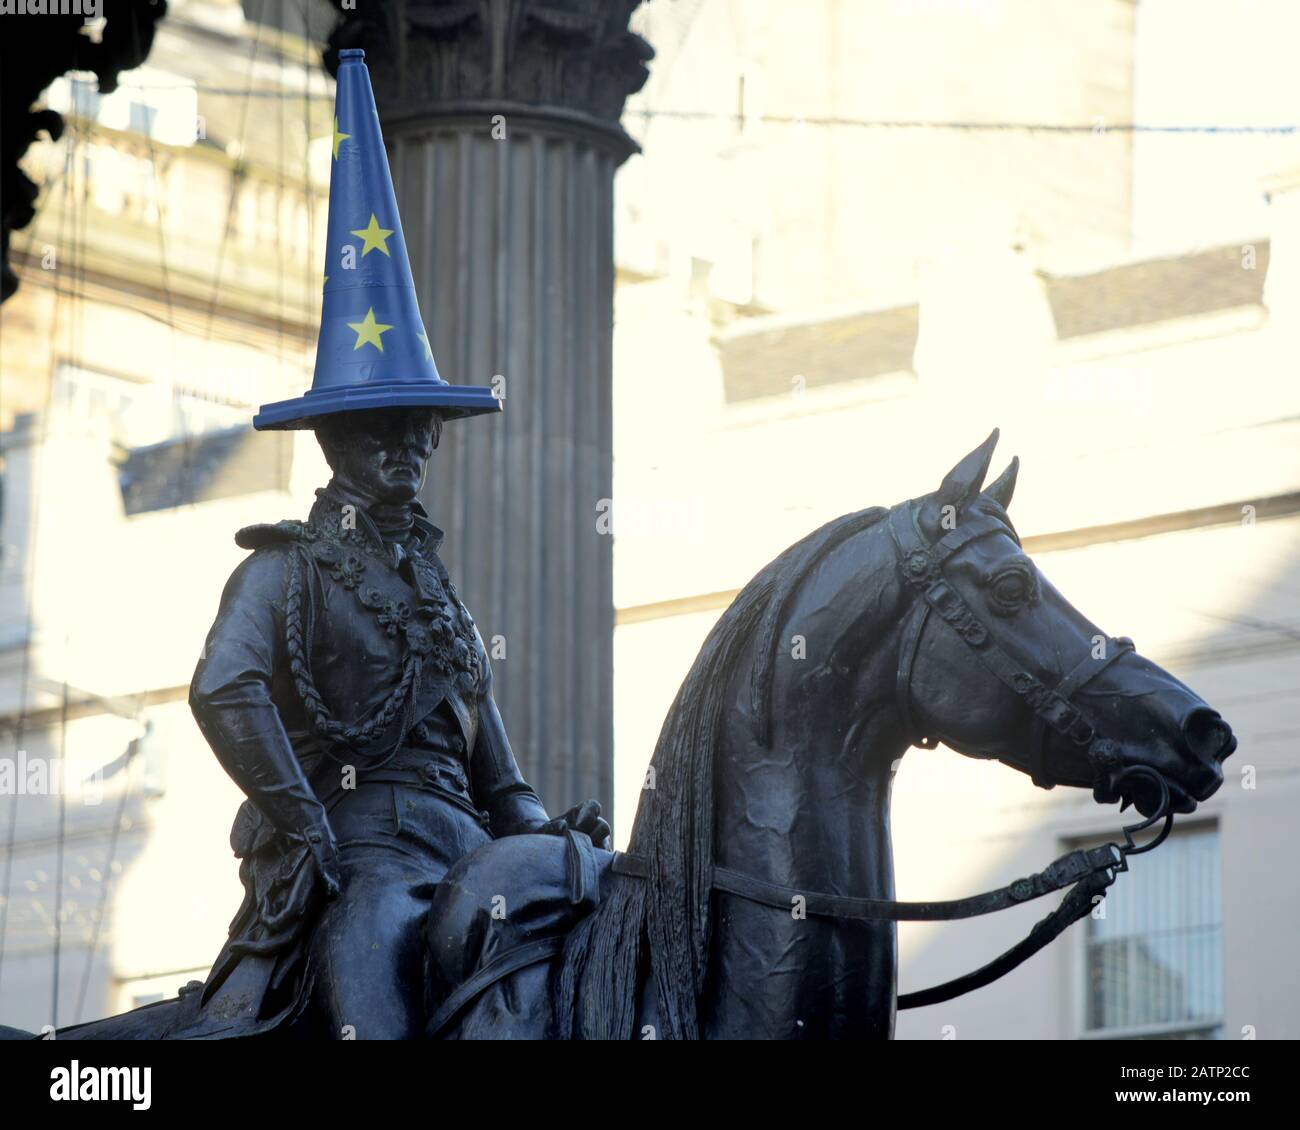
(179, 421)
(279, 232)
(823, 121)
(305, 10)
(63, 823)
(24, 681)
(76, 352)
(178, 415)
(102, 910)
(108, 299)
(1100, 126)
(235, 174)
(225, 92)
(285, 462)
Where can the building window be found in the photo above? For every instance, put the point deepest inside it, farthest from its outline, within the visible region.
(132, 409)
(1153, 965)
(142, 118)
(85, 98)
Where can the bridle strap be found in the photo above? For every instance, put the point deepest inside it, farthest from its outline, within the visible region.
(922, 570)
(1070, 868)
(1091, 870)
(1084, 672)
(1091, 666)
(911, 644)
(1077, 904)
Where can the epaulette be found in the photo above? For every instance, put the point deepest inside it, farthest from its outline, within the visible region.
(267, 533)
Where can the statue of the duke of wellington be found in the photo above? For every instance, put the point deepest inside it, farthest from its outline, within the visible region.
(346, 690)
(344, 685)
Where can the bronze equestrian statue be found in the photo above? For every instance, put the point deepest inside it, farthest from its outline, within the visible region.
(402, 880)
(735, 912)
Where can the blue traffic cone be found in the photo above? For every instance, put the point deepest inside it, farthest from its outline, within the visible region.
(373, 351)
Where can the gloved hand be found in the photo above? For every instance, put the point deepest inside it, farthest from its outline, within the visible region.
(584, 817)
(307, 875)
(324, 854)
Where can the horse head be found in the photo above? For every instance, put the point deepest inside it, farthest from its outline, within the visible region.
(996, 663)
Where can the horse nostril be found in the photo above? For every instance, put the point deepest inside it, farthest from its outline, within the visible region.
(1207, 735)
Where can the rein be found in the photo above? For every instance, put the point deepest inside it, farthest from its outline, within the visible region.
(1091, 870)
(1088, 872)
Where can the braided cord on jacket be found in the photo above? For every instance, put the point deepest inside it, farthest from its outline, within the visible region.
(322, 722)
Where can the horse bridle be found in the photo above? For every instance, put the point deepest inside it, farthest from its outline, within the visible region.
(1089, 872)
(1054, 708)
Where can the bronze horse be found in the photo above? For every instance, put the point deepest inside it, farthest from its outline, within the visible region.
(756, 896)
(770, 784)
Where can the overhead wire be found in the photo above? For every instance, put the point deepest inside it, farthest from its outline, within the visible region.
(837, 121)
(29, 572)
(178, 421)
(309, 252)
(66, 284)
(78, 209)
(180, 424)
(101, 911)
(235, 176)
(75, 353)
(62, 832)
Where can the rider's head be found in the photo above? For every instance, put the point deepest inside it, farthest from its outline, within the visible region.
(380, 454)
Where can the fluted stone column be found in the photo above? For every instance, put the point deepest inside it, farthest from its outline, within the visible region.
(501, 118)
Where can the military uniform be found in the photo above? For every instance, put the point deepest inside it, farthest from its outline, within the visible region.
(344, 687)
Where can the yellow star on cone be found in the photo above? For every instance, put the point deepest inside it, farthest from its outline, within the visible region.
(339, 137)
(428, 349)
(374, 237)
(369, 331)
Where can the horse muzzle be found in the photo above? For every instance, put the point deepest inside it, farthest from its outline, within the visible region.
(1193, 775)
(1207, 737)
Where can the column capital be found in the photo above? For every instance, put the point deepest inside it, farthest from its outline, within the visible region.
(574, 59)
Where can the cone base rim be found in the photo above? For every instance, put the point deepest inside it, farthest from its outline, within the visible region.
(453, 402)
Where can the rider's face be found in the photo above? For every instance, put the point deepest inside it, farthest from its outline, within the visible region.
(387, 452)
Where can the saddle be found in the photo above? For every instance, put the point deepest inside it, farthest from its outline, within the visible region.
(505, 907)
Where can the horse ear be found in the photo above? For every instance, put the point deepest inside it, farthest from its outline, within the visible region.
(1004, 486)
(963, 482)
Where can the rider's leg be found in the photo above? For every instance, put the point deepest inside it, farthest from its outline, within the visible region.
(367, 948)
(366, 954)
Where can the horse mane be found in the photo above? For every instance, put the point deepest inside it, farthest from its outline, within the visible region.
(667, 916)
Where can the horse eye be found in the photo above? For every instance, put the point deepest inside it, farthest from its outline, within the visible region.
(1012, 589)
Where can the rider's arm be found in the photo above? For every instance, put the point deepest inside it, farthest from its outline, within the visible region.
(230, 696)
(498, 786)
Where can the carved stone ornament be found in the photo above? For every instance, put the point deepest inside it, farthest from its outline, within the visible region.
(558, 55)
